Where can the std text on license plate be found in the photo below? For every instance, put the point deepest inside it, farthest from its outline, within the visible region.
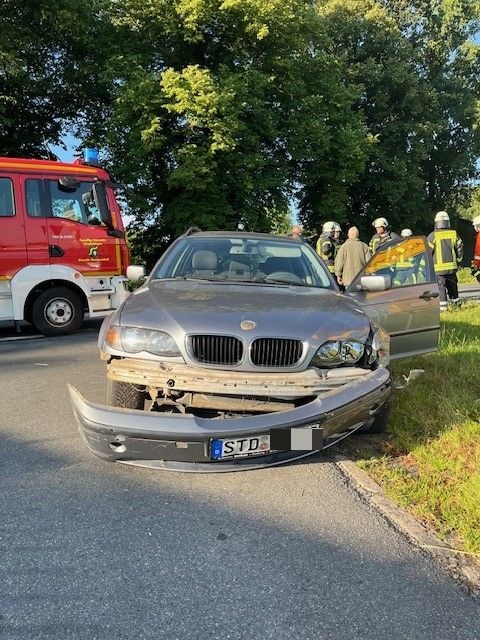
(239, 447)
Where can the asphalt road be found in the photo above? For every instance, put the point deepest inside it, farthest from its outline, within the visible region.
(92, 550)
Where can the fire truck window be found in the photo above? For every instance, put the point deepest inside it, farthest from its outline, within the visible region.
(77, 204)
(6, 198)
(33, 191)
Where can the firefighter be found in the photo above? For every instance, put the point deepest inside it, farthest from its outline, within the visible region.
(337, 239)
(476, 251)
(405, 272)
(326, 245)
(382, 235)
(447, 250)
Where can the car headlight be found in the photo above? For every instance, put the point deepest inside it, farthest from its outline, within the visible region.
(135, 340)
(334, 353)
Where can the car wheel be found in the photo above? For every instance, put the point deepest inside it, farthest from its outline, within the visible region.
(57, 311)
(380, 422)
(124, 394)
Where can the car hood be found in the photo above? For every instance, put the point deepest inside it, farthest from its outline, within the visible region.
(304, 313)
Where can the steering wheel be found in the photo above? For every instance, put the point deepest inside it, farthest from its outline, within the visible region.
(288, 276)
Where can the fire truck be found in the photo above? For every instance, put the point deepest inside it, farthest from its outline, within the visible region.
(63, 253)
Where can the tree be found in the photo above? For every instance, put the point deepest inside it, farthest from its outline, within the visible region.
(222, 110)
(419, 71)
(48, 76)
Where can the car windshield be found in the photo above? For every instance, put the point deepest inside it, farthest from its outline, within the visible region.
(243, 259)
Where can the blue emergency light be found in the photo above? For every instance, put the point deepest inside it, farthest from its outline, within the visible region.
(90, 155)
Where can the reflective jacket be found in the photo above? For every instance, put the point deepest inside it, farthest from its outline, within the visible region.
(326, 250)
(447, 250)
(378, 240)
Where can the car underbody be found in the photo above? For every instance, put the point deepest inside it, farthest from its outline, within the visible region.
(182, 388)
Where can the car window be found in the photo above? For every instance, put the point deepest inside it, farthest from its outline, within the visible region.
(243, 259)
(406, 262)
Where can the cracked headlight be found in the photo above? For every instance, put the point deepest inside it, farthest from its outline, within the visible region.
(334, 353)
(135, 340)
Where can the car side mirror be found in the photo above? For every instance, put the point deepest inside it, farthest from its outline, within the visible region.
(136, 273)
(375, 283)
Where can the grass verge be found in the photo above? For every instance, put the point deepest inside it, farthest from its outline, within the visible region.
(465, 276)
(429, 461)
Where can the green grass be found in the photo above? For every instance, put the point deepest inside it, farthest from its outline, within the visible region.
(465, 276)
(429, 461)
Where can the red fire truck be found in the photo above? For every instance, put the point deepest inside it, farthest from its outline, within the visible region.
(63, 253)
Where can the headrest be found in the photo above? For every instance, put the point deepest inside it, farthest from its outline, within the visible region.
(204, 261)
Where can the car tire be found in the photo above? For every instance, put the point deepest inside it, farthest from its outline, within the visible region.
(57, 311)
(380, 421)
(124, 394)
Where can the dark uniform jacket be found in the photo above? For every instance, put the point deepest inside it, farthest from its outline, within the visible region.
(378, 240)
(447, 250)
(326, 250)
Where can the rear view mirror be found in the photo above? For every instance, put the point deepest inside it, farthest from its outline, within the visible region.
(375, 283)
(136, 273)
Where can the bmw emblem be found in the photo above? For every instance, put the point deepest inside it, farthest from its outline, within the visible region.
(247, 325)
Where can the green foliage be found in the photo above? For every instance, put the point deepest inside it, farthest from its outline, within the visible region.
(214, 112)
(469, 203)
(418, 67)
(222, 109)
(48, 75)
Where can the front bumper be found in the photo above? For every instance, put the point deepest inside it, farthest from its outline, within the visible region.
(181, 442)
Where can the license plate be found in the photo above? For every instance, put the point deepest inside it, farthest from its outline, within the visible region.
(239, 447)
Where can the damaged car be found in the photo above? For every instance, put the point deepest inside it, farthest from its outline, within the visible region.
(236, 340)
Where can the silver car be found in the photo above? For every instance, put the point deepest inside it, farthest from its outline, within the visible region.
(239, 351)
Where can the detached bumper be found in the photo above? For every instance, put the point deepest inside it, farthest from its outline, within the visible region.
(182, 442)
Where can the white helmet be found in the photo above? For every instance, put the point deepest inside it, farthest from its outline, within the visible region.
(337, 227)
(476, 221)
(442, 220)
(329, 227)
(380, 222)
(406, 232)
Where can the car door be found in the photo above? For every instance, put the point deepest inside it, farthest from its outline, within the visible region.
(408, 309)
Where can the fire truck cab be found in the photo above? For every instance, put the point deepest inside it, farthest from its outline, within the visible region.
(63, 254)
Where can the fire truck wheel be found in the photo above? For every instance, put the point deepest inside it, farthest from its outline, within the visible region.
(57, 311)
(124, 394)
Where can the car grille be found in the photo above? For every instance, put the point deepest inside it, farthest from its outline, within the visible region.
(275, 352)
(217, 349)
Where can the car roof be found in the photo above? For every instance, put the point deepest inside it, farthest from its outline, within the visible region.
(239, 234)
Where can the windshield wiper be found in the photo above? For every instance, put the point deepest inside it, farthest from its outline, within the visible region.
(290, 283)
